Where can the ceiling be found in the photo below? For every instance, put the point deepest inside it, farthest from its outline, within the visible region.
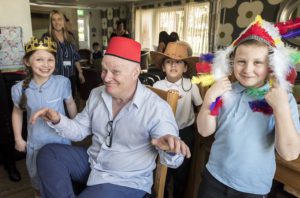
(84, 3)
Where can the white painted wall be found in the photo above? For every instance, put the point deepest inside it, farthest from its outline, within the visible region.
(16, 13)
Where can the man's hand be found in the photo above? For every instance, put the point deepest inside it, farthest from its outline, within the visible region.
(46, 114)
(173, 144)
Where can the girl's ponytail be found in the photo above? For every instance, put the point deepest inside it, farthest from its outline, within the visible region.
(23, 101)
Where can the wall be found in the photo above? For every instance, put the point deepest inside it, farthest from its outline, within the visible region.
(237, 14)
(40, 19)
(95, 27)
(109, 17)
(16, 13)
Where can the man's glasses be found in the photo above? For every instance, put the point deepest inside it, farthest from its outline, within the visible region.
(109, 128)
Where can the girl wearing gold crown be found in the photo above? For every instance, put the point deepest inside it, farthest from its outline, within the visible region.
(257, 115)
(39, 89)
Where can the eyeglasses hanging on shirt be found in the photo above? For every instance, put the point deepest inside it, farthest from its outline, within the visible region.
(109, 128)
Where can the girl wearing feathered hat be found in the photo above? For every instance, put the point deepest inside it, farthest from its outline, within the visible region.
(177, 61)
(39, 89)
(258, 115)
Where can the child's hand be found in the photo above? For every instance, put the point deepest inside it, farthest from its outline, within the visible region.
(277, 97)
(81, 78)
(217, 89)
(20, 145)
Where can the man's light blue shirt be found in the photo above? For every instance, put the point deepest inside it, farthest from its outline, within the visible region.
(130, 160)
(243, 154)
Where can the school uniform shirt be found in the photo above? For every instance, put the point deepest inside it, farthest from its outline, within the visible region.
(51, 94)
(130, 160)
(185, 115)
(243, 154)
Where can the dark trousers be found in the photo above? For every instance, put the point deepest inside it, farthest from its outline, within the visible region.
(58, 165)
(7, 154)
(180, 174)
(212, 188)
(7, 144)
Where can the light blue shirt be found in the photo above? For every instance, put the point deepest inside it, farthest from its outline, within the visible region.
(51, 94)
(243, 154)
(130, 160)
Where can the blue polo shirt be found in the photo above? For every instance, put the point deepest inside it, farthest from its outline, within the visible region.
(243, 154)
(51, 94)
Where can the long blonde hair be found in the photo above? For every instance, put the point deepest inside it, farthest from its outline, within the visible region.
(67, 36)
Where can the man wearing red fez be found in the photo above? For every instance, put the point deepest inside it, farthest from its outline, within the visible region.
(130, 125)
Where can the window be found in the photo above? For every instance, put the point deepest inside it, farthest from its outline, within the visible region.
(80, 30)
(83, 29)
(171, 20)
(190, 21)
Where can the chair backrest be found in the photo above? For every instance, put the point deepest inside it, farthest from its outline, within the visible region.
(161, 170)
(92, 80)
(85, 54)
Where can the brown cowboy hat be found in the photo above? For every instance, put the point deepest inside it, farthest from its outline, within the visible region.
(179, 50)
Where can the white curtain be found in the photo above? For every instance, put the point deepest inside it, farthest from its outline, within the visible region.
(169, 20)
(190, 21)
(144, 24)
(196, 29)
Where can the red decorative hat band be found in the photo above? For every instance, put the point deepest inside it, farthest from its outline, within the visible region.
(257, 32)
(124, 48)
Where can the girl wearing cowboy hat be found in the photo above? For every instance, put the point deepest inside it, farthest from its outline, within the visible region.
(176, 61)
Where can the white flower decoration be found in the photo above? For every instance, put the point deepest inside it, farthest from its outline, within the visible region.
(109, 13)
(247, 12)
(123, 12)
(109, 31)
(104, 40)
(274, 2)
(104, 23)
(115, 22)
(228, 3)
(225, 34)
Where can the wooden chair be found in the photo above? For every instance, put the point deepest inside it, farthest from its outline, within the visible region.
(200, 152)
(92, 80)
(288, 173)
(85, 55)
(161, 170)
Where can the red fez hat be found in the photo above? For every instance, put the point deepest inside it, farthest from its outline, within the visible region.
(125, 48)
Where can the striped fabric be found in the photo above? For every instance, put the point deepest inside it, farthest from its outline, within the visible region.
(66, 52)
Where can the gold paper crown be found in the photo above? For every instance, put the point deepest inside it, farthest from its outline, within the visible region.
(35, 44)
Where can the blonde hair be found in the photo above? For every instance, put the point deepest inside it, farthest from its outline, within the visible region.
(67, 36)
